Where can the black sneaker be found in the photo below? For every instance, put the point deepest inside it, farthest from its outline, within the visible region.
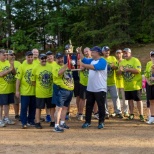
(31, 124)
(64, 126)
(42, 119)
(52, 124)
(17, 117)
(58, 129)
(119, 116)
(38, 125)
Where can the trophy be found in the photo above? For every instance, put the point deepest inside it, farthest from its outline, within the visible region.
(71, 59)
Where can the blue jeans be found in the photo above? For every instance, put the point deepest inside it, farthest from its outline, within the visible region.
(27, 103)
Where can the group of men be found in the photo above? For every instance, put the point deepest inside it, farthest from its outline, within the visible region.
(44, 82)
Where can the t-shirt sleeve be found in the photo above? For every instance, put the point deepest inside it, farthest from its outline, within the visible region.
(137, 65)
(101, 65)
(146, 72)
(19, 73)
(87, 60)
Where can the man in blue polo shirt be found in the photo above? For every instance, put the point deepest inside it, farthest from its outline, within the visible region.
(97, 85)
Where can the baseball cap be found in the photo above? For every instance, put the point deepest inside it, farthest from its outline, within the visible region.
(49, 53)
(105, 48)
(118, 51)
(28, 53)
(58, 55)
(96, 48)
(151, 53)
(127, 50)
(2, 51)
(67, 47)
(42, 55)
(10, 52)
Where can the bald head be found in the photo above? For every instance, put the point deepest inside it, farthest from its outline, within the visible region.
(35, 53)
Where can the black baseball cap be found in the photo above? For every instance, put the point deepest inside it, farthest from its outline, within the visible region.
(28, 53)
(49, 53)
(42, 55)
(152, 53)
(59, 55)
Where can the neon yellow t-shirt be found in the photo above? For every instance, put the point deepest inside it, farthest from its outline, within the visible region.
(42, 75)
(148, 73)
(52, 64)
(132, 81)
(84, 77)
(7, 81)
(65, 81)
(111, 74)
(24, 73)
(119, 79)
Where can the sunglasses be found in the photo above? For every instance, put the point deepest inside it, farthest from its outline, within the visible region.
(12, 54)
(43, 58)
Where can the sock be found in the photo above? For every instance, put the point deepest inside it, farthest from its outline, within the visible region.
(56, 125)
(62, 122)
(67, 113)
(152, 115)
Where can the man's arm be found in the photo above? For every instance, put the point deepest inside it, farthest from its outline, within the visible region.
(17, 88)
(132, 70)
(4, 73)
(63, 69)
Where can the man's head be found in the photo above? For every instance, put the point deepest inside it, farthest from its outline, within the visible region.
(43, 59)
(119, 54)
(68, 48)
(29, 57)
(106, 51)
(152, 56)
(3, 55)
(50, 56)
(87, 52)
(60, 58)
(127, 53)
(10, 55)
(35, 53)
(96, 52)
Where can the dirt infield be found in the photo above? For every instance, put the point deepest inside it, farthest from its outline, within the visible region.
(119, 136)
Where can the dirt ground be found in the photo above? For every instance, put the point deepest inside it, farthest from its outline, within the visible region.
(119, 136)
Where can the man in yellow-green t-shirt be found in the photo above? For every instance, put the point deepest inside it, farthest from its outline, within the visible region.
(6, 87)
(111, 82)
(25, 88)
(11, 56)
(120, 84)
(130, 68)
(42, 79)
(63, 86)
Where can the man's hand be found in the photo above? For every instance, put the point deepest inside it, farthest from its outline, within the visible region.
(17, 94)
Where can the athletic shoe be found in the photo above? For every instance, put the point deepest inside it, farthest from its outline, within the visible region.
(64, 126)
(38, 125)
(68, 117)
(151, 120)
(80, 117)
(113, 114)
(85, 125)
(126, 115)
(119, 116)
(48, 118)
(107, 116)
(2, 124)
(141, 118)
(31, 124)
(96, 116)
(24, 126)
(100, 126)
(8, 121)
(58, 129)
(131, 117)
(52, 124)
(77, 115)
(17, 117)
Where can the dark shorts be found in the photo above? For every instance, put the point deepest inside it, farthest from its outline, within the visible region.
(41, 102)
(6, 99)
(76, 88)
(61, 97)
(150, 92)
(83, 90)
(133, 95)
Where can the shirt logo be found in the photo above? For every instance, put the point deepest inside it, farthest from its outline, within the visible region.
(27, 76)
(9, 78)
(109, 71)
(68, 78)
(45, 79)
(128, 76)
(85, 73)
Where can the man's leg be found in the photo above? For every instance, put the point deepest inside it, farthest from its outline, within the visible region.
(115, 98)
(57, 115)
(2, 124)
(48, 114)
(131, 106)
(125, 102)
(77, 103)
(16, 107)
(100, 99)
(140, 107)
(81, 106)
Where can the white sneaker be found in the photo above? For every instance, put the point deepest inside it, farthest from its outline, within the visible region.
(80, 117)
(8, 121)
(96, 116)
(2, 124)
(151, 120)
